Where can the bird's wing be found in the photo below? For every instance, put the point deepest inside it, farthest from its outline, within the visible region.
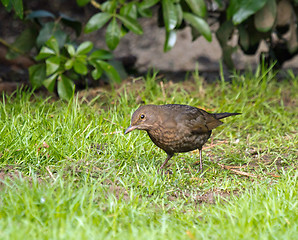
(198, 120)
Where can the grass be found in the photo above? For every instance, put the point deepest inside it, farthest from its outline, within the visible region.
(68, 172)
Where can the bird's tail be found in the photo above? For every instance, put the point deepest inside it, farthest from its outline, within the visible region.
(224, 115)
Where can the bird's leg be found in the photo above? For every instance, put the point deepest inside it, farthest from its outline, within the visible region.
(201, 164)
(165, 162)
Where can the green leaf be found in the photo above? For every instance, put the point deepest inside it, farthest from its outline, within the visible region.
(131, 24)
(124, 30)
(40, 14)
(109, 6)
(194, 33)
(18, 7)
(45, 52)
(65, 87)
(97, 21)
(84, 47)
(179, 14)
(61, 37)
(145, 12)
(147, 4)
(199, 24)
(119, 68)
(110, 71)
(170, 40)
(129, 9)
(221, 4)
(101, 54)
(45, 33)
(240, 10)
(70, 49)
(113, 34)
(37, 74)
(169, 14)
(51, 30)
(49, 83)
(52, 64)
(97, 72)
(82, 3)
(24, 43)
(198, 7)
(69, 64)
(80, 67)
(53, 44)
(5, 3)
(264, 19)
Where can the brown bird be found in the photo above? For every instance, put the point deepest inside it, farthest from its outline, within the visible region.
(176, 128)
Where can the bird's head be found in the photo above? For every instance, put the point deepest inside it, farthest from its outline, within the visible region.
(143, 118)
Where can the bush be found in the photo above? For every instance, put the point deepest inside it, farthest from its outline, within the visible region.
(60, 59)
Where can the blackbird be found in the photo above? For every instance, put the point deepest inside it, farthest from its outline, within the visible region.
(176, 128)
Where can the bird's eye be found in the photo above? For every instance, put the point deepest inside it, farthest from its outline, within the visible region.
(142, 116)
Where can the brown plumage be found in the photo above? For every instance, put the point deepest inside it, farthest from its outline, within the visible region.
(176, 128)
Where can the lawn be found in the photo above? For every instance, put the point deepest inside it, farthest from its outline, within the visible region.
(68, 172)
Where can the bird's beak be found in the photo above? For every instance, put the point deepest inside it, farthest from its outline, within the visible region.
(129, 129)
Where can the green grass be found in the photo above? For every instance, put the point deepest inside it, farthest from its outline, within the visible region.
(68, 172)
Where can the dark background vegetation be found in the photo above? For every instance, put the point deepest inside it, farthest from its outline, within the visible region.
(143, 30)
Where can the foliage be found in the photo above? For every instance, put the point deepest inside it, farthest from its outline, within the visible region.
(122, 16)
(17, 5)
(61, 59)
(256, 20)
(78, 60)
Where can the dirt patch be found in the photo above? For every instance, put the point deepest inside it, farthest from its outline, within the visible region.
(205, 197)
(9, 172)
(119, 192)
